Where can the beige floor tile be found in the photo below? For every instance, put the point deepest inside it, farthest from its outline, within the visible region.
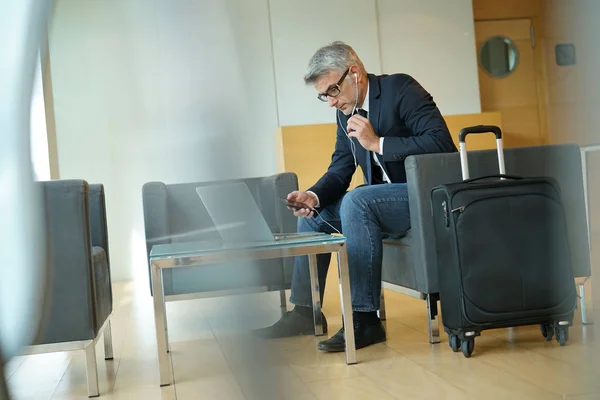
(74, 380)
(542, 371)
(588, 396)
(259, 369)
(325, 371)
(12, 365)
(133, 393)
(215, 356)
(201, 371)
(408, 380)
(359, 388)
(38, 376)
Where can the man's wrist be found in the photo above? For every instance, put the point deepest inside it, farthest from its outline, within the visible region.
(313, 194)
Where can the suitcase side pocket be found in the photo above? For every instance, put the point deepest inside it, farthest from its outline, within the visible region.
(447, 257)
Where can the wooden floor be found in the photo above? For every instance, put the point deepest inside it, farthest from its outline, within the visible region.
(214, 357)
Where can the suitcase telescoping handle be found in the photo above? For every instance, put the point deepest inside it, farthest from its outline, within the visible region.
(462, 136)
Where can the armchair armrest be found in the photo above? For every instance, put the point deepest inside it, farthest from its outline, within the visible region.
(423, 172)
(98, 221)
(69, 314)
(99, 230)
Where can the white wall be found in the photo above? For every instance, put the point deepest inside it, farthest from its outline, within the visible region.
(573, 91)
(434, 41)
(179, 90)
(40, 156)
(574, 96)
(299, 31)
(160, 90)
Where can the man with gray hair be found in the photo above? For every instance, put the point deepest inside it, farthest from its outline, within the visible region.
(381, 120)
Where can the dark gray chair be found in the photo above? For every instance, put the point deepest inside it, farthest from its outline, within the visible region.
(410, 262)
(174, 213)
(79, 298)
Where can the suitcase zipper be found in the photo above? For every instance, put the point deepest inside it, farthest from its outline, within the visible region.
(447, 214)
(492, 185)
(461, 209)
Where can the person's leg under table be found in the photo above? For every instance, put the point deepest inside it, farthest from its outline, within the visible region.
(363, 215)
(300, 320)
(367, 213)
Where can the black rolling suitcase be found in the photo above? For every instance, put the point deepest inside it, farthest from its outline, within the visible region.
(502, 253)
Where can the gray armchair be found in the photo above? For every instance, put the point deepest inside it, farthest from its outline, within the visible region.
(173, 213)
(410, 262)
(79, 298)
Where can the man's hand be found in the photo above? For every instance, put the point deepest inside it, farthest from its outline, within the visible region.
(361, 128)
(306, 198)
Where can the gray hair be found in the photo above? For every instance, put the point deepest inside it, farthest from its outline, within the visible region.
(336, 56)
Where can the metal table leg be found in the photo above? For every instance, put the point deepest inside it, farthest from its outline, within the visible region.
(382, 315)
(316, 294)
(345, 297)
(283, 302)
(166, 375)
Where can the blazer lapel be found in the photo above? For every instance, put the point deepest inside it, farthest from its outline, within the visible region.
(374, 112)
(374, 101)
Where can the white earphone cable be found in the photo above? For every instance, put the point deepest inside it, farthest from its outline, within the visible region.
(352, 145)
(352, 148)
(323, 219)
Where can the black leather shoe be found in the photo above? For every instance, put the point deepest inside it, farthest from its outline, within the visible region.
(291, 324)
(364, 335)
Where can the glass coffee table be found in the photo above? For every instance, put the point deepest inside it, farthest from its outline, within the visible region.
(198, 254)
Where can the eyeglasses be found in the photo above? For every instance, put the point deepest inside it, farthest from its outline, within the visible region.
(334, 90)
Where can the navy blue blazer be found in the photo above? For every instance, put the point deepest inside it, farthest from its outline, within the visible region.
(401, 111)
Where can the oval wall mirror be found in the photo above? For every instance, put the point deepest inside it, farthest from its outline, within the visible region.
(499, 56)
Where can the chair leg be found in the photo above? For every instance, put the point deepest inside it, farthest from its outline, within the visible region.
(433, 319)
(91, 370)
(108, 345)
(382, 307)
(583, 304)
(283, 302)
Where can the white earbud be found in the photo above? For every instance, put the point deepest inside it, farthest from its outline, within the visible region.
(356, 78)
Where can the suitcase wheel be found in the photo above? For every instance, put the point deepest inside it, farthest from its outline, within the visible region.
(454, 343)
(467, 347)
(562, 335)
(547, 331)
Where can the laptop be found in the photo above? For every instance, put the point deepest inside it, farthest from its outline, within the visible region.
(237, 217)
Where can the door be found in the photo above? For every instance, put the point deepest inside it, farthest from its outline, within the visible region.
(507, 78)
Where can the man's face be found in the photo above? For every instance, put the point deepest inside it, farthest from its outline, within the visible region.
(340, 95)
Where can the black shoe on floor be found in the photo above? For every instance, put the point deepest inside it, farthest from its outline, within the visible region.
(293, 323)
(365, 334)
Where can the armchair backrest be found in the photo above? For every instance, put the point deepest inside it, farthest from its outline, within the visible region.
(174, 212)
(562, 162)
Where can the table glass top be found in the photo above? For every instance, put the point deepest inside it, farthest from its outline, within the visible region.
(175, 250)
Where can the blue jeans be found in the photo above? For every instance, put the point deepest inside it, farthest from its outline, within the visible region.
(364, 215)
